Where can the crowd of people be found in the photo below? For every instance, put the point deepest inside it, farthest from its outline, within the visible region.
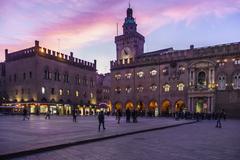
(133, 114)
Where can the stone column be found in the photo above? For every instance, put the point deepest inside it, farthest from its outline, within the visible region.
(209, 104)
(192, 104)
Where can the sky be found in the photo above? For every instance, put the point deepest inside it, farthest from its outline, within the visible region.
(88, 27)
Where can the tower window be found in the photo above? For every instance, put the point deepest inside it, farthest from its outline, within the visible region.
(43, 89)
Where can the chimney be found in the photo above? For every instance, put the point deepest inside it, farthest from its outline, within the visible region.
(36, 43)
(6, 53)
(191, 46)
(95, 63)
(71, 54)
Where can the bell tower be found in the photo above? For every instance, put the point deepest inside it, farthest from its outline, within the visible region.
(131, 43)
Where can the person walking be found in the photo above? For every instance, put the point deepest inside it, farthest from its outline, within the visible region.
(119, 115)
(25, 114)
(74, 114)
(128, 115)
(48, 114)
(101, 121)
(134, 116)
(220, 115)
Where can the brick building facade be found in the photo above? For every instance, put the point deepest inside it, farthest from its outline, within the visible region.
(161, 82)
(41, 79)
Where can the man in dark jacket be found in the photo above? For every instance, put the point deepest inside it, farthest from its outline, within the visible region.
(101, 120)
(25, 113)
(220, 115)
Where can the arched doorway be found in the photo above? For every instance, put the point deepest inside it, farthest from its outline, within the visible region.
(153, 108)
(141, 108)
(179, 106)
(118, 106)
(165, 107)
(129, 105)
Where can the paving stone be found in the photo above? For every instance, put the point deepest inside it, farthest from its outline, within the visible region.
(189, 142)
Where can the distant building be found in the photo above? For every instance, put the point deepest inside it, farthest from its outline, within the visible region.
(165, 81)
(104, 91)
(2, 83)
(41, 79)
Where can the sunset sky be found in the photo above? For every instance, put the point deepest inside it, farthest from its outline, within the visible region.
(88, 27)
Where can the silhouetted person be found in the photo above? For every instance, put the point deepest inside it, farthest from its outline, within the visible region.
(74, 114)
(197, 116)
(101, 120)
(25, 114)
(128, 115)
(118, 116)
(47, 116)
(219, 117)
(134, 115)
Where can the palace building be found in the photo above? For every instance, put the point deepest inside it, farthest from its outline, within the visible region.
(161, 82)
(41, 79)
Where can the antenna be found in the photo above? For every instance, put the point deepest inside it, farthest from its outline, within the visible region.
(59, 40)
(117, 29)
(129, 3)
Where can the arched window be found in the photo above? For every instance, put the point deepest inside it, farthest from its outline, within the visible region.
(180, 87)
(153, 72)
(221, 82)
(236, 81)
(202, 78)
(65, 78)
(46, 73)
(56, 75)
(153, 87)
(166, 87)
(140, 74)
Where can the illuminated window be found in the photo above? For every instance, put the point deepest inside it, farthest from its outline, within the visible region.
(153, 72)
(236, 81)
(128, 75)
(68, 92)
(140, 88)
(166, 88)
(180, 86)
(222, 82)
(91, 95)
(118, 90)
(181, 69)
(118, 76)
(140, 74)
(221, 62)
(165, 71)
(128, 89)
(43, 89)
(236, 61)
(153, 87)
(76, 93)
(60, 92)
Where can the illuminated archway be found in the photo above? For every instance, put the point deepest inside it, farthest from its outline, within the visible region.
(179, 105)
(140, 106)
(118, 106)
(165, 107)
(152, 105)
(129, 105)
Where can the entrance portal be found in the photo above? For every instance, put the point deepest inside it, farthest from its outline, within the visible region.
(179, 106)
(129, 105)
(118, 106)
(165, 107)
(153, 108)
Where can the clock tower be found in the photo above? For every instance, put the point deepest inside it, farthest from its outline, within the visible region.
(131, 43)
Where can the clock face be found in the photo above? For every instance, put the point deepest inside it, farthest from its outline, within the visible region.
(126, 51)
